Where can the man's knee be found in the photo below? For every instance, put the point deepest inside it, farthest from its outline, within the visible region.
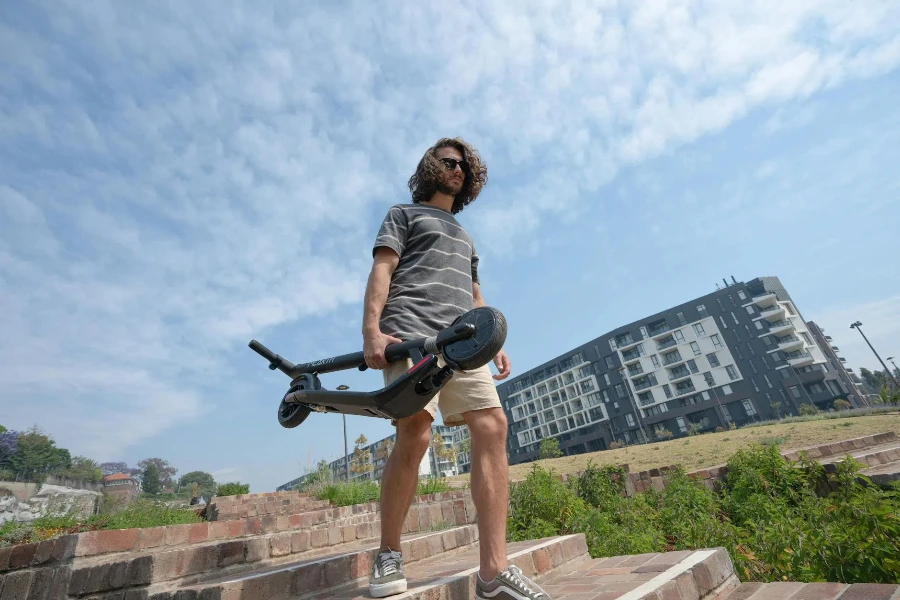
(488, 424)
(414, 433)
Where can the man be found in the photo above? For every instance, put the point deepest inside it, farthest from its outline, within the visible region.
(424, 275)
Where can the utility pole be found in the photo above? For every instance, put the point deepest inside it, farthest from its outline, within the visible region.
(858, 326)
(346, 456)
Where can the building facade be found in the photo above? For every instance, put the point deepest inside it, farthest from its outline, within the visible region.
(446, 458)
(742, 353)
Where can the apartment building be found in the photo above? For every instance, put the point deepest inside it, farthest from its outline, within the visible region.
(445, 462)
(741, 353)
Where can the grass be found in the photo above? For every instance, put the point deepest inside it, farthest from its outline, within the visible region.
(347, 493)
(140, 513)
(711, 449)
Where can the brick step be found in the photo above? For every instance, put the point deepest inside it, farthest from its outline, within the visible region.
(289, 578)
(452, 576)
(869, 457)
(685, 575)
(789, 590)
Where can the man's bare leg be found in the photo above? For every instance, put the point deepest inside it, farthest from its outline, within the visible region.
(401, 476)
(490, 486)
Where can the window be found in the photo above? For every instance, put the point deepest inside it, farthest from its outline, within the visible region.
(709, 378)
(605, 395)
(733, 316)
(767, 340)
(620, 391)
(679, 337)
(755, 387)
(795, 391)
(681, 425)
(643, 332)
(722, 320)
(737, 350)
(786, 373)
(806, 337)
(764, 361)
(701, 309)
(610, 363)
(750, 309)
(726, 389)
(693, 366)
(717, 342)
(629, 418)
(750, 347)
(667, 390)
(713, 360)
(616, 405)
(776, 356)
(696, 348)
(655, 361)
(606, 378)
(612, 344)
(726, 413)
(698, 329)
(742, 295)
(769, 383)
(681, 320)
(732, 372)
(758, 325)
(748, 407)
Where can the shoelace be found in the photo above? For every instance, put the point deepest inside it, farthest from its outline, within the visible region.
(389, 562)
(514, 574)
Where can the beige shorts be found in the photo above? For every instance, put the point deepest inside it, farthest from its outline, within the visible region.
(470, 390)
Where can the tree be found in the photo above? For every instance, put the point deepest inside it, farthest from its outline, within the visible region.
(36, 455)
(151, 480)
(549, 448)
(205, 483)
(83, 468)
(9, 441)
(384, 450)
(360, 461)
(441, 452)
(110, 468)
(776, 408)
(163, 468)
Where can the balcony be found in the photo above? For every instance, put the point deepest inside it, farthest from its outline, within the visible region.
(799, 359)
(773, 313)
(764, 300)
(790, 343)
(631, 356)
(645, 382)
(667, 342)
(679, 374)
(672, 358)
(659, 331)
(781, 327)
(687, 389)
(624, 342)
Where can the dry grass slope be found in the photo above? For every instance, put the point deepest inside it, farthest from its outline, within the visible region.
(713, 449)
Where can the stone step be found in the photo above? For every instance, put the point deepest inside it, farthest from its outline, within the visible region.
(279, 580)
(452, 576)
(789, 590)
(684, 575)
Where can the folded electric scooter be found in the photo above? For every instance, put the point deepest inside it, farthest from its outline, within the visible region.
(470, 342)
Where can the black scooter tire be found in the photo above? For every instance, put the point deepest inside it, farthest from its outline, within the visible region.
(473, 353)
(291, 415)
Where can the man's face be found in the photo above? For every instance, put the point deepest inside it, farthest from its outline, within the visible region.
(452, 177)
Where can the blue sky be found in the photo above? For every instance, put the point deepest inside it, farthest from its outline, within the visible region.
(176, 179)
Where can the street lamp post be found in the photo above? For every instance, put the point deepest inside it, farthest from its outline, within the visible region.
(342, 388)
(858, 326)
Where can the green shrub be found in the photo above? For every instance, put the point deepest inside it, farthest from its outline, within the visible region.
(432, 485)
(233, 488)
(347, 493)
(542, 506)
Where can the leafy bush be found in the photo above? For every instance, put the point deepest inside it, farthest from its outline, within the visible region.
(347, 493)
(549, 448)
(432, 485)
(778, 520)
(233, 488)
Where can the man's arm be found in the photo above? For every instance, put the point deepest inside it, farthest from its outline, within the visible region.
(377, 288)
(501, 360)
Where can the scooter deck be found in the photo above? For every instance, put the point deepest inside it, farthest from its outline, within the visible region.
(402, 398)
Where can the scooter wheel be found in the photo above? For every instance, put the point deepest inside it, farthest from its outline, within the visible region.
(291, 414)
(490, 335)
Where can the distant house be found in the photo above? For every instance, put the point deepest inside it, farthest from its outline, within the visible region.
(123, 487)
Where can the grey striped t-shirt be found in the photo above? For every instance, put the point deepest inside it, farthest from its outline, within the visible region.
(432, 284)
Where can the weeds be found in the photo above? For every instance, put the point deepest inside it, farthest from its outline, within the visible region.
(777, 519)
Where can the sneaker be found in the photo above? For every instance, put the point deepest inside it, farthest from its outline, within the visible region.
(510, 584)
(387, 574)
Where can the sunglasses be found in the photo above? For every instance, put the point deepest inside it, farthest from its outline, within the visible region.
(451, 164)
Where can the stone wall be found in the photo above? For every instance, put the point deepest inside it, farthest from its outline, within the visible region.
(50, 499)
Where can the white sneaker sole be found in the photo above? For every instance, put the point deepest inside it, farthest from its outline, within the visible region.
(381, 590)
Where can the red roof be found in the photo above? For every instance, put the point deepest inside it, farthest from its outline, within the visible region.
(116, 477)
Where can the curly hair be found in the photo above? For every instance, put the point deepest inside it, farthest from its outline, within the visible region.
(424, 182)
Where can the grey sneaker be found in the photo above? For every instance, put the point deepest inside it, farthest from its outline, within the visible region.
(510, 584)
(387, 574)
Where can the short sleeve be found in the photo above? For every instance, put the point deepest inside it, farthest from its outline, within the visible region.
(393, 231)
(475, 266)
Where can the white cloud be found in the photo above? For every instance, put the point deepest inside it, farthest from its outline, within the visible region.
(179, 177)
